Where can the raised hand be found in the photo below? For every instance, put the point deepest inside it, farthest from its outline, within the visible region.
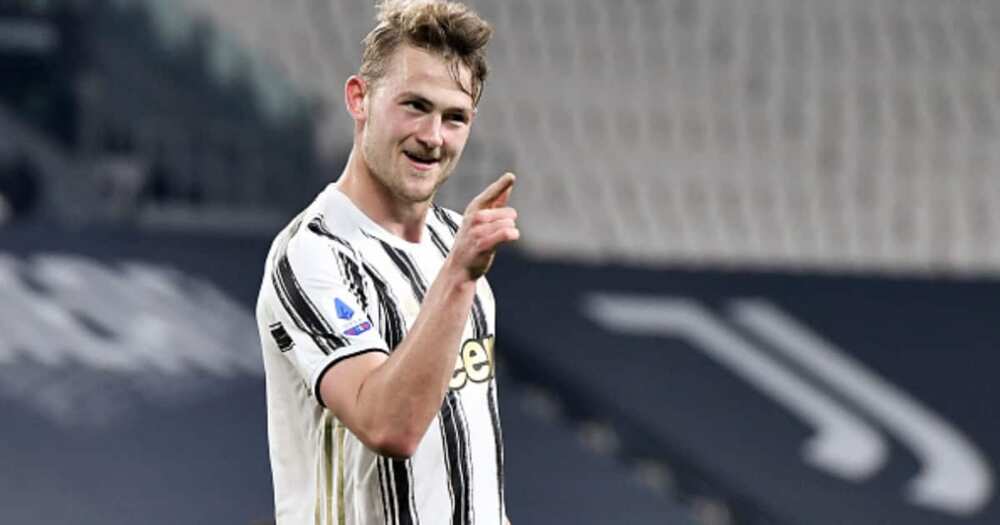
(488, 222)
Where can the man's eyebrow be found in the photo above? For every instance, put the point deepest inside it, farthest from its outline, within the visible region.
(415, 96)
(409, 95)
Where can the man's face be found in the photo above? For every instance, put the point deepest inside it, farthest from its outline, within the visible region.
(417, 125)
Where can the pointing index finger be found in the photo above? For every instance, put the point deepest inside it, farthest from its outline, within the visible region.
(496, 194)
(501, 200)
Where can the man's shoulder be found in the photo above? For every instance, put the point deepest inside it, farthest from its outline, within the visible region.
(312, 239)
(324, 222)
(306, 235)
(306, 253)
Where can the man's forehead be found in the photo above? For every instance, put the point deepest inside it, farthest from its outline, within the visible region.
(429, 75)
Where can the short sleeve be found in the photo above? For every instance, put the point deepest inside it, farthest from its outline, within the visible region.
(319, 319)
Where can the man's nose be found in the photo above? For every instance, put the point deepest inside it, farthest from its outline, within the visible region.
(429, 133)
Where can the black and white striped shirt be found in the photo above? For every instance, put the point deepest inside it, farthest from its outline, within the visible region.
(336, 285)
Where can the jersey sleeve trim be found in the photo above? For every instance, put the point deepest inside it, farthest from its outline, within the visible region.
(342, 354)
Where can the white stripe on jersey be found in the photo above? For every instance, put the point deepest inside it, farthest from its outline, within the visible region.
(336, 285)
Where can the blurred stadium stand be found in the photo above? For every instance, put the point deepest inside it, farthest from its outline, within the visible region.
(756, 284)
(802, 133)
(162, 123)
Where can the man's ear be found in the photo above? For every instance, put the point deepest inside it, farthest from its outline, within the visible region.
(355, 91)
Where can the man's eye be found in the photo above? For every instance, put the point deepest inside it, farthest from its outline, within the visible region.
(417, 105)
(458, 117)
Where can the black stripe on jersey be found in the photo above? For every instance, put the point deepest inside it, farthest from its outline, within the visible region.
(456, 435)
(328, 465)
(409, 270)
(480, 328)
(297, 304)
(392, 327)
(318, 227)
(446, 454)
(438, 242)
(459, 466)
(302, 310)
(398, 503)
(402, 477)
(351, 271)
(388, 506)
(348, 261)
(497, 437)
(443, 216)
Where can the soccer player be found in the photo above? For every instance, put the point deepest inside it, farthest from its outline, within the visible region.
(375, 319)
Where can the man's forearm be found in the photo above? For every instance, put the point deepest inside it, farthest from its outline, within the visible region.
(388, 402)
(401, 397)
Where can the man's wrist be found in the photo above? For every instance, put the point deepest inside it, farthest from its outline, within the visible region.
(457, 278)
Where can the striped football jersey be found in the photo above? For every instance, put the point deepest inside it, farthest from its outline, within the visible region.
(337, 285)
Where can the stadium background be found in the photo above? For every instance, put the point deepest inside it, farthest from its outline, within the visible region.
(757, 282)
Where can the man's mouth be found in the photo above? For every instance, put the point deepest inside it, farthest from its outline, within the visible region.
(422, 161)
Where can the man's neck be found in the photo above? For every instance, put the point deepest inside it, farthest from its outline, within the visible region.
(403, 219)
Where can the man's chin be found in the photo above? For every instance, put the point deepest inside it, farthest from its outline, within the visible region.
(417, 194)
(421, 187)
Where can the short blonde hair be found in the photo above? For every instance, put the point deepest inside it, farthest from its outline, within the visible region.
(450, 29)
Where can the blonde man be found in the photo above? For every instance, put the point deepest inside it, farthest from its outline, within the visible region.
(375, 319)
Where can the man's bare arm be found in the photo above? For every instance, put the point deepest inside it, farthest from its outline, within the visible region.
(389, 401)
